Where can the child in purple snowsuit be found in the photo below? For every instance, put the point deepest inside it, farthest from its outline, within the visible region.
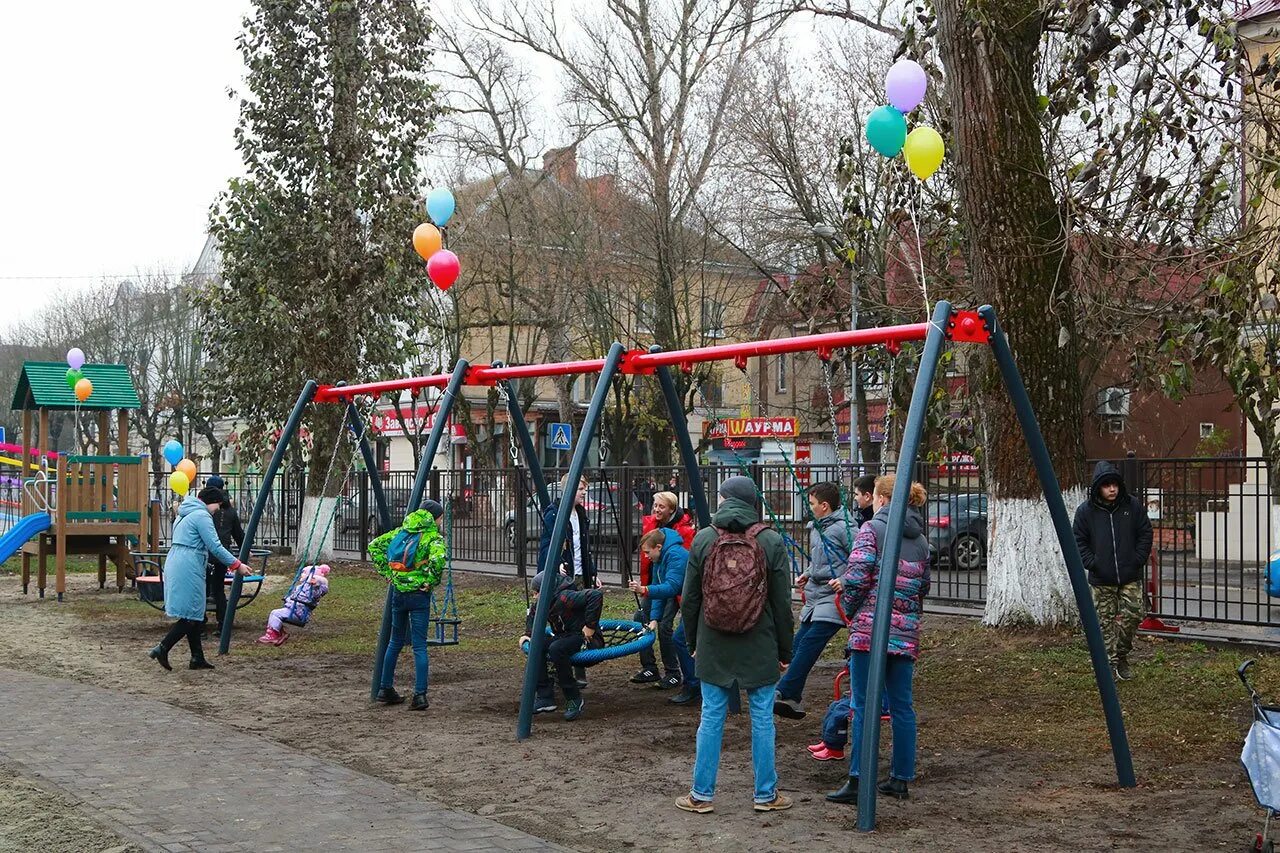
(312, 585)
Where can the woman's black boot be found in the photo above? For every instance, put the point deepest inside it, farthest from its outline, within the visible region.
(847, 794)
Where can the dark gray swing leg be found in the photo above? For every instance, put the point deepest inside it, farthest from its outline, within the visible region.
(1067, 542)
(384, 524)
(912, 434)
(680, 425)
(515, 417)
(538, 642)
(260, 506)
(415, 500)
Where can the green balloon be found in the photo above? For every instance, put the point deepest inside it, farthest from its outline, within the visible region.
(73, 376)
(886, 130)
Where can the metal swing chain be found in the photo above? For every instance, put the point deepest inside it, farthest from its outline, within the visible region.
(888, 408)
(828, 368)
(514, 449)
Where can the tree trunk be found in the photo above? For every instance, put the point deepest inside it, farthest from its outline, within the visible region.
(1017, 261)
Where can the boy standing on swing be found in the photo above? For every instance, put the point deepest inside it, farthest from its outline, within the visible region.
(413, 558)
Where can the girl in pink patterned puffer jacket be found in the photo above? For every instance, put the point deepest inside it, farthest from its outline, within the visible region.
(858, 603)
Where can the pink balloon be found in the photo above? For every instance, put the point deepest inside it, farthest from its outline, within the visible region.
(905, 85)
(443, 268)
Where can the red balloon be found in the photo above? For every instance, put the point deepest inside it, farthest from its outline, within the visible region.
(443, 267)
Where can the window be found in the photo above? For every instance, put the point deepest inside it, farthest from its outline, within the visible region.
(780, 365)
(712, 391)
(646, 315)
(583, 387)
(1207, 429)
(712, 319)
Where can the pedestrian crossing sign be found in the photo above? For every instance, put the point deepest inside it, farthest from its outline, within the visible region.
(561, 436)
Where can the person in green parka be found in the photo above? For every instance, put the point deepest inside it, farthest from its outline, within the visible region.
(413, 558)
(754, 658)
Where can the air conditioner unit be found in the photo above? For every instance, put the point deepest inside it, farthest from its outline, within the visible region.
(1113, 402)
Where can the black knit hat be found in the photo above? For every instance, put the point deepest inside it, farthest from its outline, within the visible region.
(210, 495)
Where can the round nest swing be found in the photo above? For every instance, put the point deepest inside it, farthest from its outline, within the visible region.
(621, 637)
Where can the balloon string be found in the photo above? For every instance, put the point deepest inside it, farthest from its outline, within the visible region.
(915, 225)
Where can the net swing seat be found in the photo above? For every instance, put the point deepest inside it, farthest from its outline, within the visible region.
(622, 637)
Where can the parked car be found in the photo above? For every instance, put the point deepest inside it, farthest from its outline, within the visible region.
(398, 503)
(604, 513)
(957, 530)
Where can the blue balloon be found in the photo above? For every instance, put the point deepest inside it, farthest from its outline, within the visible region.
(440, 205)
(172, 452)
(1273, 574)
(887, 130)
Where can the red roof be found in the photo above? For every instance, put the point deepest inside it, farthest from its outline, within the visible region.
(1258, 9)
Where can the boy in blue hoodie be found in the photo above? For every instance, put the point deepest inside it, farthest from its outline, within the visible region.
(664, 547)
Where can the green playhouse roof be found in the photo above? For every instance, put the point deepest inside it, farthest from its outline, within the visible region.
(46, 383)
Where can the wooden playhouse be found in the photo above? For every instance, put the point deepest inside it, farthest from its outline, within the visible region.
(97, 503)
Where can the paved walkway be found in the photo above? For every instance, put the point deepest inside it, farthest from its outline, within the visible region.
(87, 741)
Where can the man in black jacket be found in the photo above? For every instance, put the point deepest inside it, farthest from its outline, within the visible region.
(574, 620)
(1114, 535)
(231, 534)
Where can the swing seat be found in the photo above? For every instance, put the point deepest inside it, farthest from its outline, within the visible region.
(148, 567)
(622, 637)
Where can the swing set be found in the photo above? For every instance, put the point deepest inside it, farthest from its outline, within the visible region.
(970, 327)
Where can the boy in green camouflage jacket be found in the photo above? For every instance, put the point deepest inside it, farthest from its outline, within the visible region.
(413, 558)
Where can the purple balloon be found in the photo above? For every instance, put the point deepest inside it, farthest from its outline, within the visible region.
(75, 358)
(905, 84)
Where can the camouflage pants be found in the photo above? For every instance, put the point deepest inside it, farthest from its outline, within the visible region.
(1120, 609)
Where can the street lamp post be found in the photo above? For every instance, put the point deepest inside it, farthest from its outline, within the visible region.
(828, 233)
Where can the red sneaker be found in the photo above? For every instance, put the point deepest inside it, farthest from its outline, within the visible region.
(828, 754)
(816, 747)
(270, 637)
(282, 639)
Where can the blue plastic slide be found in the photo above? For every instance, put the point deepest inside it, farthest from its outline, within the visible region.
(31, 525)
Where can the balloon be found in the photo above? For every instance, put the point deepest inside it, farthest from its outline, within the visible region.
(179, 482)
(440, 205)
(905, 84)
(886, 130)
(923, 152)
(427, 240)
(73, 376)
(443, 267)
(188, 468)
(83, 389)
(172, 452)
(75, 358)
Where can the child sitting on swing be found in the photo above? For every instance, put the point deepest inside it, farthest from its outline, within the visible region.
(311, 586)
(574, 620)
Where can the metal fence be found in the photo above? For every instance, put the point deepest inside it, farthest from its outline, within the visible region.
(494, 517)
(1211, 521)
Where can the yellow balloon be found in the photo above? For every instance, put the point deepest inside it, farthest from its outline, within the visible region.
(179, 482)
(923, 152)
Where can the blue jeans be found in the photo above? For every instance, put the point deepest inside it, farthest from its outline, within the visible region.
(686, 660)
(898, 673)
(807, 647)
(706, 764)
(410, 619)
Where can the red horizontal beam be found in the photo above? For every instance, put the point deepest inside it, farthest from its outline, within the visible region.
(640, 362)
(823, 344)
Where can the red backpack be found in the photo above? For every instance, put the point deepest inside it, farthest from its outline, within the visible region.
(733, 581)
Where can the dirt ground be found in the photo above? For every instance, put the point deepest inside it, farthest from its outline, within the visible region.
(1011, 757)
(33, 818)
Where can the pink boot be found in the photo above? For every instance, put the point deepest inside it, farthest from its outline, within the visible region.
(281, 638)
(271, 638)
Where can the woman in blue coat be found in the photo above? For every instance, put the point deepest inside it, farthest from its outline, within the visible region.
(194, 539)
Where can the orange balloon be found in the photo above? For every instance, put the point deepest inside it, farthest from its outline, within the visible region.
(427, 240)
(187, 467)
(83, 389)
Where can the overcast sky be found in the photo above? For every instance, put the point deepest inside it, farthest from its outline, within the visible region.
(117, 136)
